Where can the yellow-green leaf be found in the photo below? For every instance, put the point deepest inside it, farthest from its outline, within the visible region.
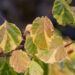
(62, 12)
(19, 61)
(10, 36)
(35, 69)
(30, 47)
(41, 32)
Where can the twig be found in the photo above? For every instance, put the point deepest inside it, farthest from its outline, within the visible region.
(2, 54)
(69, 44)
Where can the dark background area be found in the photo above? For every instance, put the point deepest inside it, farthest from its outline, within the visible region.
(23, 12)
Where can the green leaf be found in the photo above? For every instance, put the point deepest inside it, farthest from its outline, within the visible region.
(27, 72)
(35, 69)
(30, 47)
(41, 32)
(5, 68)
(45, 67)
(19, 61)
(62, 12)
(10, 36)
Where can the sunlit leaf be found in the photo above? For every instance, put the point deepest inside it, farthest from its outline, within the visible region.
(41, 32)
(62, 12)
(10, 36)
(35, 69)
(30, 47)
(19, 61)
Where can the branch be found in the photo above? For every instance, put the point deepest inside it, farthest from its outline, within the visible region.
(2, 54)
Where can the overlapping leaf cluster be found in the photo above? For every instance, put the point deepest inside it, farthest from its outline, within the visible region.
(46, 51)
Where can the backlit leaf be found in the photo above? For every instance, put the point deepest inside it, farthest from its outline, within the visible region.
(10, 36)
(19, 61)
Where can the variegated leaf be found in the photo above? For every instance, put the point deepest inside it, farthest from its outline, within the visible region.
(62, 12)
(10, 36)
(41, 32)
(55, 52)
